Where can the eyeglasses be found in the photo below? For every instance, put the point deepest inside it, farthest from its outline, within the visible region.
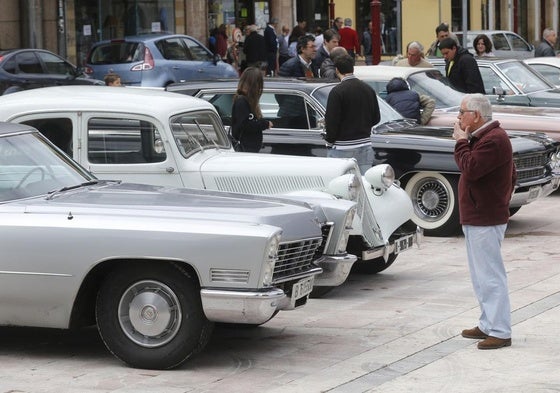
(463, 111)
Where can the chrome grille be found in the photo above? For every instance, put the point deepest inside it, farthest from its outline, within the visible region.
(295, 258)
(326, 230)
(268, 184)
(530, 166)
(370, 228)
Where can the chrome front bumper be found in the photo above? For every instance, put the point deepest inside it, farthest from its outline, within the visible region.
(384, 251)
(250, 306)
(335, 269)
(533, 192)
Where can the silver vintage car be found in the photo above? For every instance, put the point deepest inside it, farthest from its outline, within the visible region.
(152, 266)
(164, 138)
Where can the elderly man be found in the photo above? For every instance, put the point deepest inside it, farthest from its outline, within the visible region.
(484, 156)
(414, 56)
(546, 46)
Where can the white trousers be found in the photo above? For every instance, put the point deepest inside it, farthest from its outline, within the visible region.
(489, 279)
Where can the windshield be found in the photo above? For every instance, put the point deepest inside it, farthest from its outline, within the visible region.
(388, 114)
(523, 77)
(29, 167)
(196, 131)
(435, 85)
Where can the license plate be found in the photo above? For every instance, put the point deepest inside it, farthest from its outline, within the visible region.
(404, 243)
(534, 193)
(302, 288)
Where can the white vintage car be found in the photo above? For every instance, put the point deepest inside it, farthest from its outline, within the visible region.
(163, 138)
(152, 266)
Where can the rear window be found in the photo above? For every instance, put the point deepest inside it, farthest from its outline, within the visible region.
(117, 53)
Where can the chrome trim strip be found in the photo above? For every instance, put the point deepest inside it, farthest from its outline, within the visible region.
(36, 274)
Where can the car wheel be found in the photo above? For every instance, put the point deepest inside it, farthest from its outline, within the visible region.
(373, 266)
(150, 315)
(434, 198)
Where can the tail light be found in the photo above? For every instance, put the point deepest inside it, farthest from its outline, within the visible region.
(147, 64)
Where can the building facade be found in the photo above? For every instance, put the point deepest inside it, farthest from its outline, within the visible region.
(69, 27)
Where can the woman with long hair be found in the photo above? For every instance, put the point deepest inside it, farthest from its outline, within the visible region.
(482, 46)
(247, 123)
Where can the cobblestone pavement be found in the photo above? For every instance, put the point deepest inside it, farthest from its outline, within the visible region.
(397, 331)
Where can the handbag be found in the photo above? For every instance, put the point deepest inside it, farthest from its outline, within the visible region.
(236, 143)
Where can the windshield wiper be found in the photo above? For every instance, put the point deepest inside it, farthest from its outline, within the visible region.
(68, 188)
(204, 134)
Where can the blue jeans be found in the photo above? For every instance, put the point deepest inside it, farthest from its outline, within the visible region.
(364, 156)
(489, 279)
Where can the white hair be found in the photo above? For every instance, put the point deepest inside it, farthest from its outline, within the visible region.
(480, 103)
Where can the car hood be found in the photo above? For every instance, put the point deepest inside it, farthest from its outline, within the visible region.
(441, 139)
(270, 173)
(161, 204)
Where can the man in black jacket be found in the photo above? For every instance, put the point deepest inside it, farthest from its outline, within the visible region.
(461, 68)
(271, 40)
(352, 110)
(254, 48)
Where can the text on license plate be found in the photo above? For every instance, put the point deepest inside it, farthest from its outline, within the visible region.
(404, 243)
(533, 193)
(302, 288)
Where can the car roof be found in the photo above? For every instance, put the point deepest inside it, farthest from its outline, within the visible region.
(307, 86)
(10, 128)
(142, 38)
(386, 72)
(486, 32)
(543, 60)
(154, 102)
(480, 60)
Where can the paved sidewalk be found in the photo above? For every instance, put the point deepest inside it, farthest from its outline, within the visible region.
(398, 331)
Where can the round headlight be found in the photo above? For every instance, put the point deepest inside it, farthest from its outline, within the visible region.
(380, 176)
(345, 187)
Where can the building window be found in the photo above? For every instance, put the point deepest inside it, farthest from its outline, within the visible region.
(108, 19)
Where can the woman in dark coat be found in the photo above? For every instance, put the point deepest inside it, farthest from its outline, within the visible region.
(247, 123)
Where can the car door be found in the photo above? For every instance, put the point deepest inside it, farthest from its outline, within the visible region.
(521, 49)
(26, 71)
(494, 79)
(202, 60)
(57, 70)
(297, 124)
(127, 147)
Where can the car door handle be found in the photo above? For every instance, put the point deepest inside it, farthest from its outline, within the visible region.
(176, 67)
(170, 169)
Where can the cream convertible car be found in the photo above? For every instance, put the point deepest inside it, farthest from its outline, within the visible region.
(153, 267)
(163, 138)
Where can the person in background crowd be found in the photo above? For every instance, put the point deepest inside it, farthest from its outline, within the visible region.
(254, 48)
(349, 39)
(297, 32)
(330, 41)
(546, 46)
(301, 66)
(482, 46)
(366, 44)
(247, 123)
(337, 23)
(408, 102)
(352, 110)
(319, 39)
(484, 156)
(328, 70)
(222, 41)
(461, 68)
(271, 41)
(283, 55)
(112, 79)
(414, 56)
(442, 32)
